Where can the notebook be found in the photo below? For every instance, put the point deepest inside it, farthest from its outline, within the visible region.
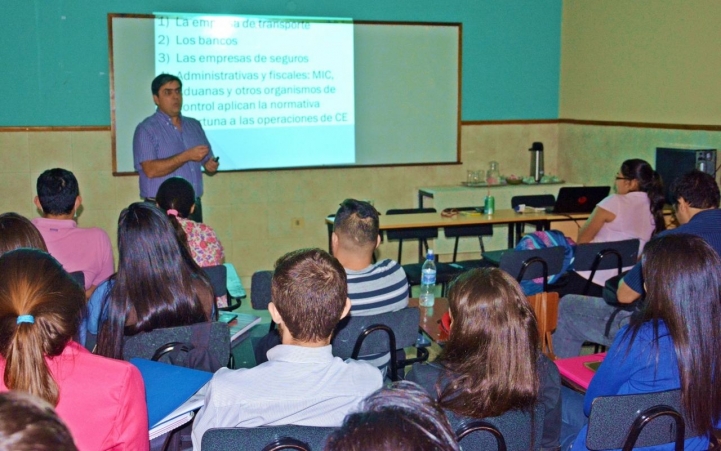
(167, 387)
(240, 325)
(579, 199)
(580, 370)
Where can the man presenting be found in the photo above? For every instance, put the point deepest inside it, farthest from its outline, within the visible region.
(168, 144)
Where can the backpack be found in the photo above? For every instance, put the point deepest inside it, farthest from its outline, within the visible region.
(542, 240)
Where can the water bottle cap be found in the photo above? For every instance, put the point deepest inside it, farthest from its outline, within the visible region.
(429, 254)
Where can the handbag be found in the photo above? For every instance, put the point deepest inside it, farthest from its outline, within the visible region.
(609, 293)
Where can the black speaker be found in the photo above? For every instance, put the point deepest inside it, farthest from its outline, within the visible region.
(673, 163)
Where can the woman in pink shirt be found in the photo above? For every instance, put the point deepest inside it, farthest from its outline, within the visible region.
(635, 211)
(101, 400)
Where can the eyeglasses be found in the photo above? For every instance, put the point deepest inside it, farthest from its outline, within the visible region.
(623, 178)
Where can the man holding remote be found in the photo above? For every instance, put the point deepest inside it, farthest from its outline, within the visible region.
(168, 144)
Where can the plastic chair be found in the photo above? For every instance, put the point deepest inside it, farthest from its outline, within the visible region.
(535, 201)
(266, 438)
(376, 334)
(260, 291)
(468, 231)
(79, 277)
(444, 272)
(218, 276)
(533, 263)
(598, 256)
(173, 345)
(470, 429)
(628, 421)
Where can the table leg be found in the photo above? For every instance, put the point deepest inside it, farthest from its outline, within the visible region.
(511, 236)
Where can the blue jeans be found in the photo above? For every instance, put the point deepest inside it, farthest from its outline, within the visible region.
(581, 319)
(572, 417)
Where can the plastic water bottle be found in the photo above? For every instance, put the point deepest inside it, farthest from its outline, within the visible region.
(428, 281)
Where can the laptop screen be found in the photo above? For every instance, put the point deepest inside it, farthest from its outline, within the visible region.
(580, 199)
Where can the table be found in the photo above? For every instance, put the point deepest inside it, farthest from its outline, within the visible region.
(500, 217)
(460, 195)
(442, 197)
(431, 319)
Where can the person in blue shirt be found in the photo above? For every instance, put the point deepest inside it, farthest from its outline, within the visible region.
(671, 345)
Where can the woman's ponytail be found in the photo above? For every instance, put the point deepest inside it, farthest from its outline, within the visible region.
(40, 310)
(25, 367)
(657, 199)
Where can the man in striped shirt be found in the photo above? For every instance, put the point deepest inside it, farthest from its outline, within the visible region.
(373, 288)
(168, 144)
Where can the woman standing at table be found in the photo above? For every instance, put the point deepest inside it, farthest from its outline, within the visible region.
(673, 344)
(635, 211)
(492, 366)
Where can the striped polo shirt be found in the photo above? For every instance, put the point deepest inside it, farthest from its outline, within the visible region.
(379, 288)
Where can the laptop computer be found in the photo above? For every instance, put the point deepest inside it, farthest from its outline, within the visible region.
(579, 199)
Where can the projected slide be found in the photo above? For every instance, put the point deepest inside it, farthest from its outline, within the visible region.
(269, 91)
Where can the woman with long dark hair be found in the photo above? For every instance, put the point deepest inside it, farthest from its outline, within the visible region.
(491, 365)
(177, 198)
(672, 344)
(158, 285)
(634, 211)
(101, 400)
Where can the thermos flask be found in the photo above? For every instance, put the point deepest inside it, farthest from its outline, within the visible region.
(537, 161)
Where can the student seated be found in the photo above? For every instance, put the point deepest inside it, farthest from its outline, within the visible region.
(672, 344)
(302, 383)
(585, 318)
(85, 249)
(491, 365)
(29, 423)
(373, 288)
(101, 400)
(158, 285)
(400, 418)
(634, 212)
(177, 198)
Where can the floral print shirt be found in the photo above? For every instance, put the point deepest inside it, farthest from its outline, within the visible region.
(204, 244)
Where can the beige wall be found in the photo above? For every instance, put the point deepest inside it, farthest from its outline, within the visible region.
(593, 154)
(641, 61)
(253, 212)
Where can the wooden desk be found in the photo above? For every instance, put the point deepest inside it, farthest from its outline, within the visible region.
(431, 319)
(507, 216)
(441, 197)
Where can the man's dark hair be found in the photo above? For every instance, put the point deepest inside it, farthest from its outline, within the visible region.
(57, 190)
(309, 289)
(162, 79)
(358, 221)
(698, 189)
